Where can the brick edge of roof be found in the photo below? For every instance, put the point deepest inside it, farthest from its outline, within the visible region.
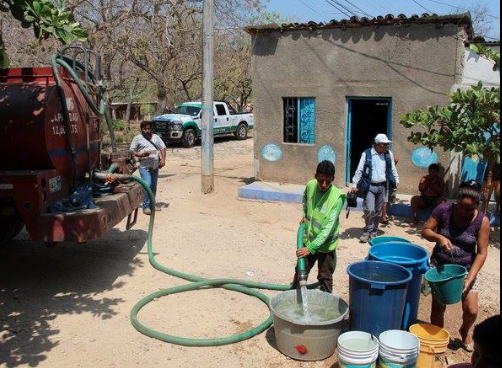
(464, 20)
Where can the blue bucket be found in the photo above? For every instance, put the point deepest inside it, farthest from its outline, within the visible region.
(416, 260)
(377, 296)
(387, 239)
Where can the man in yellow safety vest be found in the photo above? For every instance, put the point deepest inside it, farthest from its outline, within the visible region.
(322, 205)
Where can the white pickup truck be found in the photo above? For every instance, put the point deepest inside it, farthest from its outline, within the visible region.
(184, 124)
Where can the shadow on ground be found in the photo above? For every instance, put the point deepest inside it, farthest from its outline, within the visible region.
(38, 284)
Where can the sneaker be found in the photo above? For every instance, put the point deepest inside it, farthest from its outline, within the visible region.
(158, 208)
(365, 238)
(147, 211)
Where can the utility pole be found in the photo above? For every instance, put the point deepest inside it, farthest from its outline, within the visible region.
(207, 102)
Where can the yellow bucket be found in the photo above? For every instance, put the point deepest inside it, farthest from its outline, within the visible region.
(433, 342)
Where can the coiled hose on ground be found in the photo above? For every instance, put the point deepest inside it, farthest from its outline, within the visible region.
(241, 286)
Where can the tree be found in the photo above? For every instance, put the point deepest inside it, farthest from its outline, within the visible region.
(45, 18)
(469, 124)
(482, 21)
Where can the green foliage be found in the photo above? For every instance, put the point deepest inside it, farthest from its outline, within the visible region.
(461, 126)
(489, 53)
(47, 20)
(119, 125)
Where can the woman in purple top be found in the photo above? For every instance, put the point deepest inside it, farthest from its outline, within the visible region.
(461, 233)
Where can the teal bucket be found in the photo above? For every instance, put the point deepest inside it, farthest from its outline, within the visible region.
(387, 239)
(447, 283)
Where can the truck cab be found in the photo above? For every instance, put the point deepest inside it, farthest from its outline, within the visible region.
(184, 124)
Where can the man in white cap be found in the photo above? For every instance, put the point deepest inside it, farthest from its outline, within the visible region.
(375, 178)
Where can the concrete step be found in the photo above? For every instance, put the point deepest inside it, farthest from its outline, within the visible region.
(289, 193)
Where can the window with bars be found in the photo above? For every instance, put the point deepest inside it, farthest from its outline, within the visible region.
(299, 120)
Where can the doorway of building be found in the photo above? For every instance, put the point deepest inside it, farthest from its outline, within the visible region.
(367, 117)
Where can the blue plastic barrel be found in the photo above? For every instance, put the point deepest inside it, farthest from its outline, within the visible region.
(377, 296)
(416, 260)
(387, 239)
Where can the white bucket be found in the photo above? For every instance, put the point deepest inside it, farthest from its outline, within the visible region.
(357, 349)
(398, 349)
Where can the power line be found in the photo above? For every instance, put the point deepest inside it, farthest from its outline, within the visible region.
(338, 8)
(351, 12)
(358, 8)
(423, 7)
(311, 8)
(464, 8)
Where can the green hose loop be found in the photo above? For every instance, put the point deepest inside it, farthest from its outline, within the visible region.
(240, 286)
(100, 110)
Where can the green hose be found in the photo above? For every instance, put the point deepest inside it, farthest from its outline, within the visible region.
(100, 110)
(241, 286)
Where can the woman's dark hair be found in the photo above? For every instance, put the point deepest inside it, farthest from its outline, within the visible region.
(487, 335)
(326, 168)
(435, 167)
(145, 124)
(471, 184)
(470, 193)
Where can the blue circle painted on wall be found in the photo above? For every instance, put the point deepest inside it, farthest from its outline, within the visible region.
(271, 152)
(423, 157)
(327, 153)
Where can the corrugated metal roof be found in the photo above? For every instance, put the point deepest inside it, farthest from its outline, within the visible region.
(462, 20)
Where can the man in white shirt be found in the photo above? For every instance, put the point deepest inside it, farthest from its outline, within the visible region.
(375, 177)
(150, 149)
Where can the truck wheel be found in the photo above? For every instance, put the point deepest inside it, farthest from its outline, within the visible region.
(242, 132)
(9, 229)
(188, 139)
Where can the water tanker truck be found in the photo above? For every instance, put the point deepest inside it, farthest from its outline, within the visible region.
(52, 162)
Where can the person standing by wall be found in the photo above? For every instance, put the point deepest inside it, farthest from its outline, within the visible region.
(494, 188)
(151, 152)
(322, 205)
(376, 176)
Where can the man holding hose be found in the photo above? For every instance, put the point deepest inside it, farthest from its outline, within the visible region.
(322, 205)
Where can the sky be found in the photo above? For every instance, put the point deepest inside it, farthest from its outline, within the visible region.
(323, 10)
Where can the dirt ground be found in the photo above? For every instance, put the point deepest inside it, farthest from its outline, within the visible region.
(69, 306)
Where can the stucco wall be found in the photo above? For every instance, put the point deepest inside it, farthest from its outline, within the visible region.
(415, 65)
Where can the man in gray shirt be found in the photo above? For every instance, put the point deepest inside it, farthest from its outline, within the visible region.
(380, 174)
(151, 152)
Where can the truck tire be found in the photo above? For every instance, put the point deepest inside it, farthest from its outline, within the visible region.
(9, 229)
(242, 132)
(189, 138)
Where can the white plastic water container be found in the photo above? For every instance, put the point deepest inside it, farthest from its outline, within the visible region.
(398, 349)
(358, 350)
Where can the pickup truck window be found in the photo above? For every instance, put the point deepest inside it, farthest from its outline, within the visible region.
(220, 109)
(299, 120)
(187, 110)
(231, 110)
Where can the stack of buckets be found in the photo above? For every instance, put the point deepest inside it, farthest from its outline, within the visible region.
(385, 295)
(394, 349)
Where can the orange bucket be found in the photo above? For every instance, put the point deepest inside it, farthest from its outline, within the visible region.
(434, 342)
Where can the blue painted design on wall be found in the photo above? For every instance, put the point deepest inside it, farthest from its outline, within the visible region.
(423, 157)
(327, 153)
(306, 120)
(271, 152)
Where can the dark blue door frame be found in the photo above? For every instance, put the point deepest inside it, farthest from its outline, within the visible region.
(348, 129)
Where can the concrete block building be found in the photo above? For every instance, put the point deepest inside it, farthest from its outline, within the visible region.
(324, 91)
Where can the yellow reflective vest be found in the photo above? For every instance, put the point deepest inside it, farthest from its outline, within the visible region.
(322, 212)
